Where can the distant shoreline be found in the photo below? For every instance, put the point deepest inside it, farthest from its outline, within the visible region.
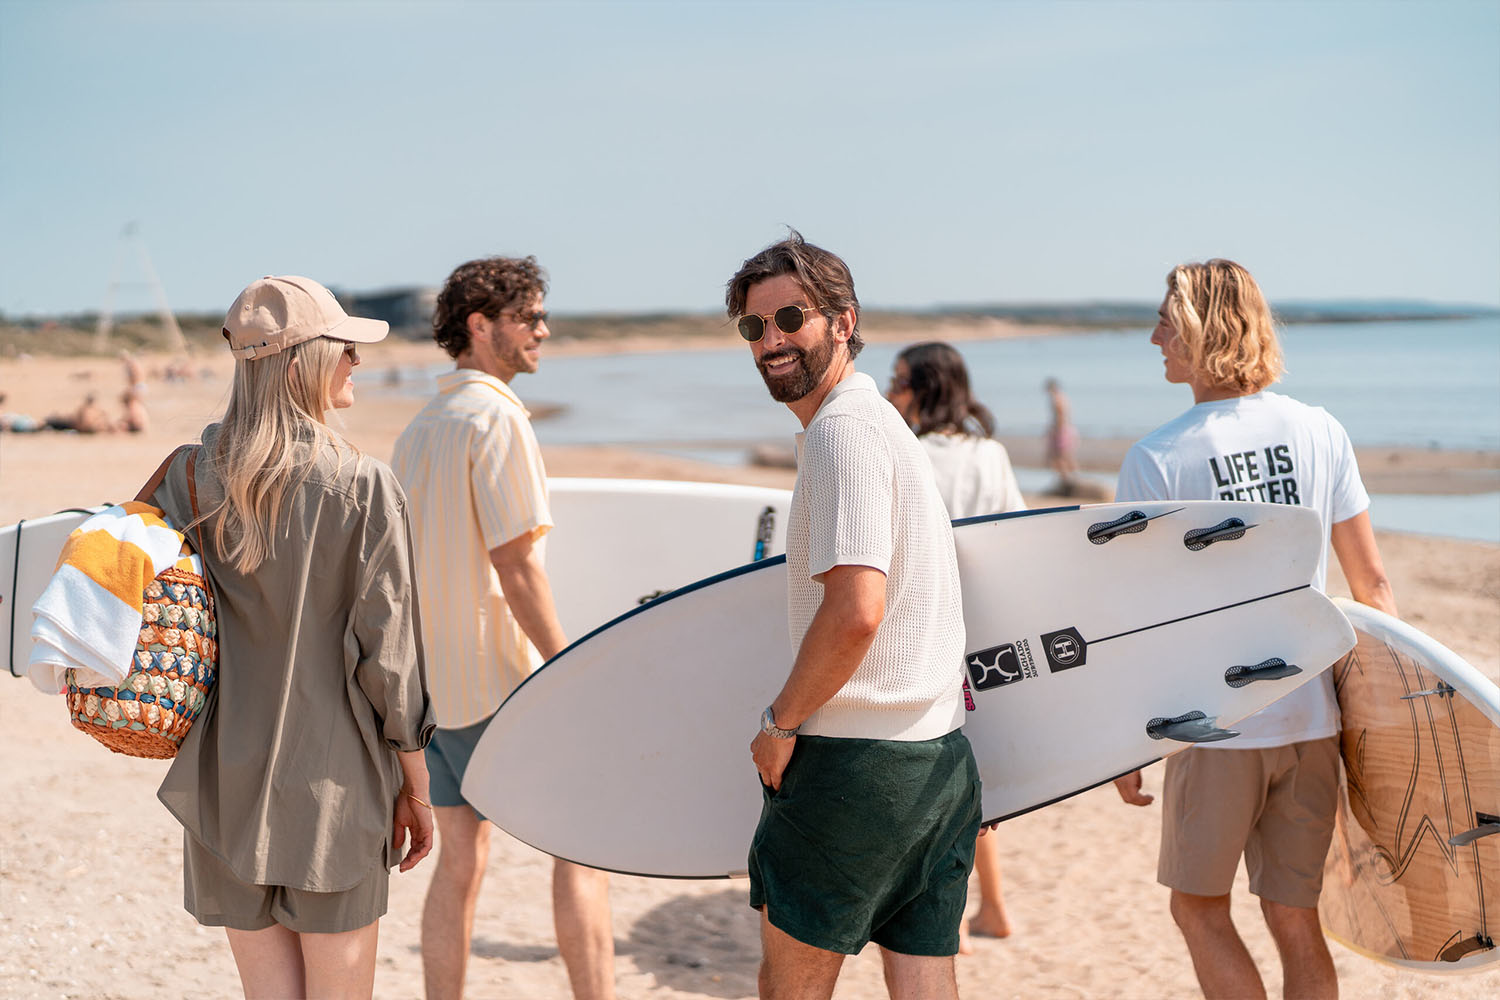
(74, 336)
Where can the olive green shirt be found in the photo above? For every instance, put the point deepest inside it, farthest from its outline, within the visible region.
(290, 775)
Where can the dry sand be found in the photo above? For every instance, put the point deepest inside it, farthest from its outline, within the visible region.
(90, 875)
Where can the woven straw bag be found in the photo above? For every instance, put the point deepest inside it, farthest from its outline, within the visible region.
(175, 664)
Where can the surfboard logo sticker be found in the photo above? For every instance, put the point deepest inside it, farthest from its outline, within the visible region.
(1065, 649)
(997, 666)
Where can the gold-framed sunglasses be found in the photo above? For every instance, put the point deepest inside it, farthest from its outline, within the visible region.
(788, 319)
(532, 320)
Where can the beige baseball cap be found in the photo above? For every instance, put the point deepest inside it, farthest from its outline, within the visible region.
(279, 311)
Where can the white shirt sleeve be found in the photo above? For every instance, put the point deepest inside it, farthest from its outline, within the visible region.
(1348, 497)
(850, 495)
(1141, 478)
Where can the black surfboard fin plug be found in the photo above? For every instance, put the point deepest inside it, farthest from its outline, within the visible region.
(1485, 825)
(1266, 670)
(1125, 524)
(1458, 949)
(1443, 690)
(1226, 530)
(1189, 727)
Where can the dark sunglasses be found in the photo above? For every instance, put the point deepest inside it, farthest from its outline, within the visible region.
(352, 352)
(789, 319)
(532, 320)
(899, 384)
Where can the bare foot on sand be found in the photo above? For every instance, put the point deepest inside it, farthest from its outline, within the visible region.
(986, 922)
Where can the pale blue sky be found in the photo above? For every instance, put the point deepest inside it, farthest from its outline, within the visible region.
(951, 152)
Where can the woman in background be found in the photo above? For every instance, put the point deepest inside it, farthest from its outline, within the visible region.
(930, 389)
(304, 776)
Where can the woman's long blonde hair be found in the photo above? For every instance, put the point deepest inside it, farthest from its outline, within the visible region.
(1224, 326)
(273, 405)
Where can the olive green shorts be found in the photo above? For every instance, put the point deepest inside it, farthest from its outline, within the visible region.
(217, 898)
(869, 840)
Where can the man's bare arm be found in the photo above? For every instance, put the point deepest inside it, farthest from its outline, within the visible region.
(523, 580)
(1359, 558)
(837, 640)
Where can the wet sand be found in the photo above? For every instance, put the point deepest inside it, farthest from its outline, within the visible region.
(90, 874)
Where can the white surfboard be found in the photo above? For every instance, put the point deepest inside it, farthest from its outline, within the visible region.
(28, 556)
(1413, 873)
(1099, 639)
(619, 542)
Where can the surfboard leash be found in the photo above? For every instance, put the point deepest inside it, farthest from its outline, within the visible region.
(15, 578)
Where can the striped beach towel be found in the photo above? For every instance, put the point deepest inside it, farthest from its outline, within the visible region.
(89, 616)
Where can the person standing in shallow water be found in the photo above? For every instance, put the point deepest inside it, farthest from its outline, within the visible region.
(478, 488)
(1271, 793)
(1062, 438)
(870, 792)
(930, 389)
(303, 778)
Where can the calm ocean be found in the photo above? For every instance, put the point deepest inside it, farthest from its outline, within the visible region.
(1416, 384)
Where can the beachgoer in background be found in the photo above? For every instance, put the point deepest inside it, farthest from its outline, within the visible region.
(866, 725)
(1270, 793)
(133, 416)
(301, 782)
(18, 423)
(89, 418)
(478, 488)
(930, 389)
(1062, 438)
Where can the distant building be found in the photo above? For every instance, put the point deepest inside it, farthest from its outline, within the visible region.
(408, 310)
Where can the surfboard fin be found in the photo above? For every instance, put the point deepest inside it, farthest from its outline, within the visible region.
(1190, 727)
(1485, 826)
(1225, 531)
(1266, 670)
(1457, 950)
(1442, 690)
(1126, 524)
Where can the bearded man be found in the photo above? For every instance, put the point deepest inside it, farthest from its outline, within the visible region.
(870, 793)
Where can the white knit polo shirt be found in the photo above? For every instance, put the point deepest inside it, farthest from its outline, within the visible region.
(865, 496)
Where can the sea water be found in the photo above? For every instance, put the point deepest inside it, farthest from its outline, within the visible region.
(1422, 384)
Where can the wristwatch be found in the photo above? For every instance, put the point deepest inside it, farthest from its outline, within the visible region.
(769, 727)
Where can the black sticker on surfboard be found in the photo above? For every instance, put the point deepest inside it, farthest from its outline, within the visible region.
(999, 665)
(1065, 649)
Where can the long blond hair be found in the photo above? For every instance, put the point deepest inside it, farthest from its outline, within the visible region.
(273, 404)
(1224, 326)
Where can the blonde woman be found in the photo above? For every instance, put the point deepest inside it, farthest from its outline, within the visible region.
(304, 777)
(1270, 793)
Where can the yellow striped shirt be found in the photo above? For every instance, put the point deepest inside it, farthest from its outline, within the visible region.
(474, 480)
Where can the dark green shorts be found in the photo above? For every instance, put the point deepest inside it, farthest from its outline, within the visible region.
(869, 840)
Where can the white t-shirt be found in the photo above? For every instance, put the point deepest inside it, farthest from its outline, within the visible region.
(1269, 448)
(973, 474)
(865, 497)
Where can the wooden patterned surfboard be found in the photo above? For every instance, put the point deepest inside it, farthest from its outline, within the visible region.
(1413, 875)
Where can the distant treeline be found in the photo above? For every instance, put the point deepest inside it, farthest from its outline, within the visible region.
(75, 334)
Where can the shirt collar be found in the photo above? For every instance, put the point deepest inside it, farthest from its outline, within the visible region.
(449, 381)
(853, 382)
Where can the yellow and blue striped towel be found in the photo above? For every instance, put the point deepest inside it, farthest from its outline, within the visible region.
(90, 614)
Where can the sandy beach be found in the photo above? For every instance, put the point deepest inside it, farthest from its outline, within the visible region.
(90, 875)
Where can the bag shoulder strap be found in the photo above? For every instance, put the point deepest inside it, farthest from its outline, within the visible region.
(154, 483)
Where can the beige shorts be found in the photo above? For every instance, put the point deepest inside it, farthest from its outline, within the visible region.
(216, 898)
(1275, 806)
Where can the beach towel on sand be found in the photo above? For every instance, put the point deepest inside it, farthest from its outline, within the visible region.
(91, 612)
